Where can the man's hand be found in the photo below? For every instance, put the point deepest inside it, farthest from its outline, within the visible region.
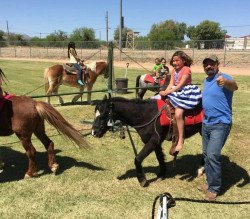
(228, 84)
(221, 81)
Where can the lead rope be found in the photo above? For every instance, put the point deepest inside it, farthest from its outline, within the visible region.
(166, 201)
(155, 117)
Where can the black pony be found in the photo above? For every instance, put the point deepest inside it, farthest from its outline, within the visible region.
(143, 115)
(142, 85)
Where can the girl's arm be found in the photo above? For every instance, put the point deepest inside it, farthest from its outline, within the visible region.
(73, 52)
(171, 89)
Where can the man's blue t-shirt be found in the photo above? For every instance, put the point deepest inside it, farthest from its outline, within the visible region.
(216, 102)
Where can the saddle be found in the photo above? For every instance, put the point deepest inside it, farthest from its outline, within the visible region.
(191, 117)
(71, 70)
(160, 81)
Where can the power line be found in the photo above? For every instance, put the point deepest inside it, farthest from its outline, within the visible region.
(246, 25)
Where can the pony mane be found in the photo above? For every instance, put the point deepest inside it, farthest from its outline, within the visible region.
(125, 100)
(92, 66)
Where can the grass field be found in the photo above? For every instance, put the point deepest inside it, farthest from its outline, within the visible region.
(100, 182)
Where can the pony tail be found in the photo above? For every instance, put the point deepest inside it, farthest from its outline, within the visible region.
(52, 116)
(46, 80)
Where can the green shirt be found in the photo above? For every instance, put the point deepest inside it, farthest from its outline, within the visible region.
(157, 68)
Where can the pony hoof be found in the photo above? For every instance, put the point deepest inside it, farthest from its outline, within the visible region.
(200, 171)
(144, 183)
(28, 176)
(159, 179)
(54, 168)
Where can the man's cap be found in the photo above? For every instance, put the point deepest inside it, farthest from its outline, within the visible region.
(211, 57)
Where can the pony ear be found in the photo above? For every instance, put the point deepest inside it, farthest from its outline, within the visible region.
(105, 97)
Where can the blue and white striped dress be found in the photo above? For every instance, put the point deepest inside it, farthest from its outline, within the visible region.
(186, 98)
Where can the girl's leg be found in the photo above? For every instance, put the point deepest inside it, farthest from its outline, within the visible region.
(180, 124)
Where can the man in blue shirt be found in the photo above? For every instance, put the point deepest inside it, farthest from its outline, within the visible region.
(217, 104)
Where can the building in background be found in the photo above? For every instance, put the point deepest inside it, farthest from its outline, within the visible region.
(237, 43)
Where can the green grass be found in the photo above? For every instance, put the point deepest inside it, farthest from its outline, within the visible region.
(100, 182)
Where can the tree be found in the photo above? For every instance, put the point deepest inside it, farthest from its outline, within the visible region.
(142, 42)
(170, 31)
(125, 30)
(80, 35)
(17, 39)
(57, 38)
(36, 41)
(206, 31)
(2, 39)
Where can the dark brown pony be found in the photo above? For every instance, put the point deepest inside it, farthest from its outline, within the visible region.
(24, 116)
(56, 75)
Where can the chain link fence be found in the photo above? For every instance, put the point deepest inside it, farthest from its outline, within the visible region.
(230, 52)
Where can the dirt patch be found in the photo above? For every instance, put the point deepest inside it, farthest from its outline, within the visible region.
(195, 68)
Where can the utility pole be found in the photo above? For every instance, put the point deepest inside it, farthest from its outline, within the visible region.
(120, 31)
(8, 29)
(107, 27)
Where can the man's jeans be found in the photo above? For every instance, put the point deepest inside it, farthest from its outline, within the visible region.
(213, 140)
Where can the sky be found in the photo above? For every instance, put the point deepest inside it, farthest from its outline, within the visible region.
(43, 17)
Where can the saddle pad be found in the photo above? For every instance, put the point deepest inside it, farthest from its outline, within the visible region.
(149, 79)
(189, 119)
(70, 69)
(162, 81)
(163, 117)
(3, 100)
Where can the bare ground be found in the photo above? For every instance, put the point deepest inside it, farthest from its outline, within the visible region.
(195, 68)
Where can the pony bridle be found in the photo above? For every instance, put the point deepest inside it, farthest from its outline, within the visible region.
(110, 122)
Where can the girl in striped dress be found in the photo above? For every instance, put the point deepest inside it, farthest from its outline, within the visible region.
(180, 92)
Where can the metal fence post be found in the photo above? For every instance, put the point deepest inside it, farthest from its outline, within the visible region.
(110, 67)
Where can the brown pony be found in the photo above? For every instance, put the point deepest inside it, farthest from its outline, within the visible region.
(56, 75)
(24, 116)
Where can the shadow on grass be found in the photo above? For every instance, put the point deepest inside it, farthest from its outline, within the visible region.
(82, 103)
(78, 103)
(187, 165)
(16, 164)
